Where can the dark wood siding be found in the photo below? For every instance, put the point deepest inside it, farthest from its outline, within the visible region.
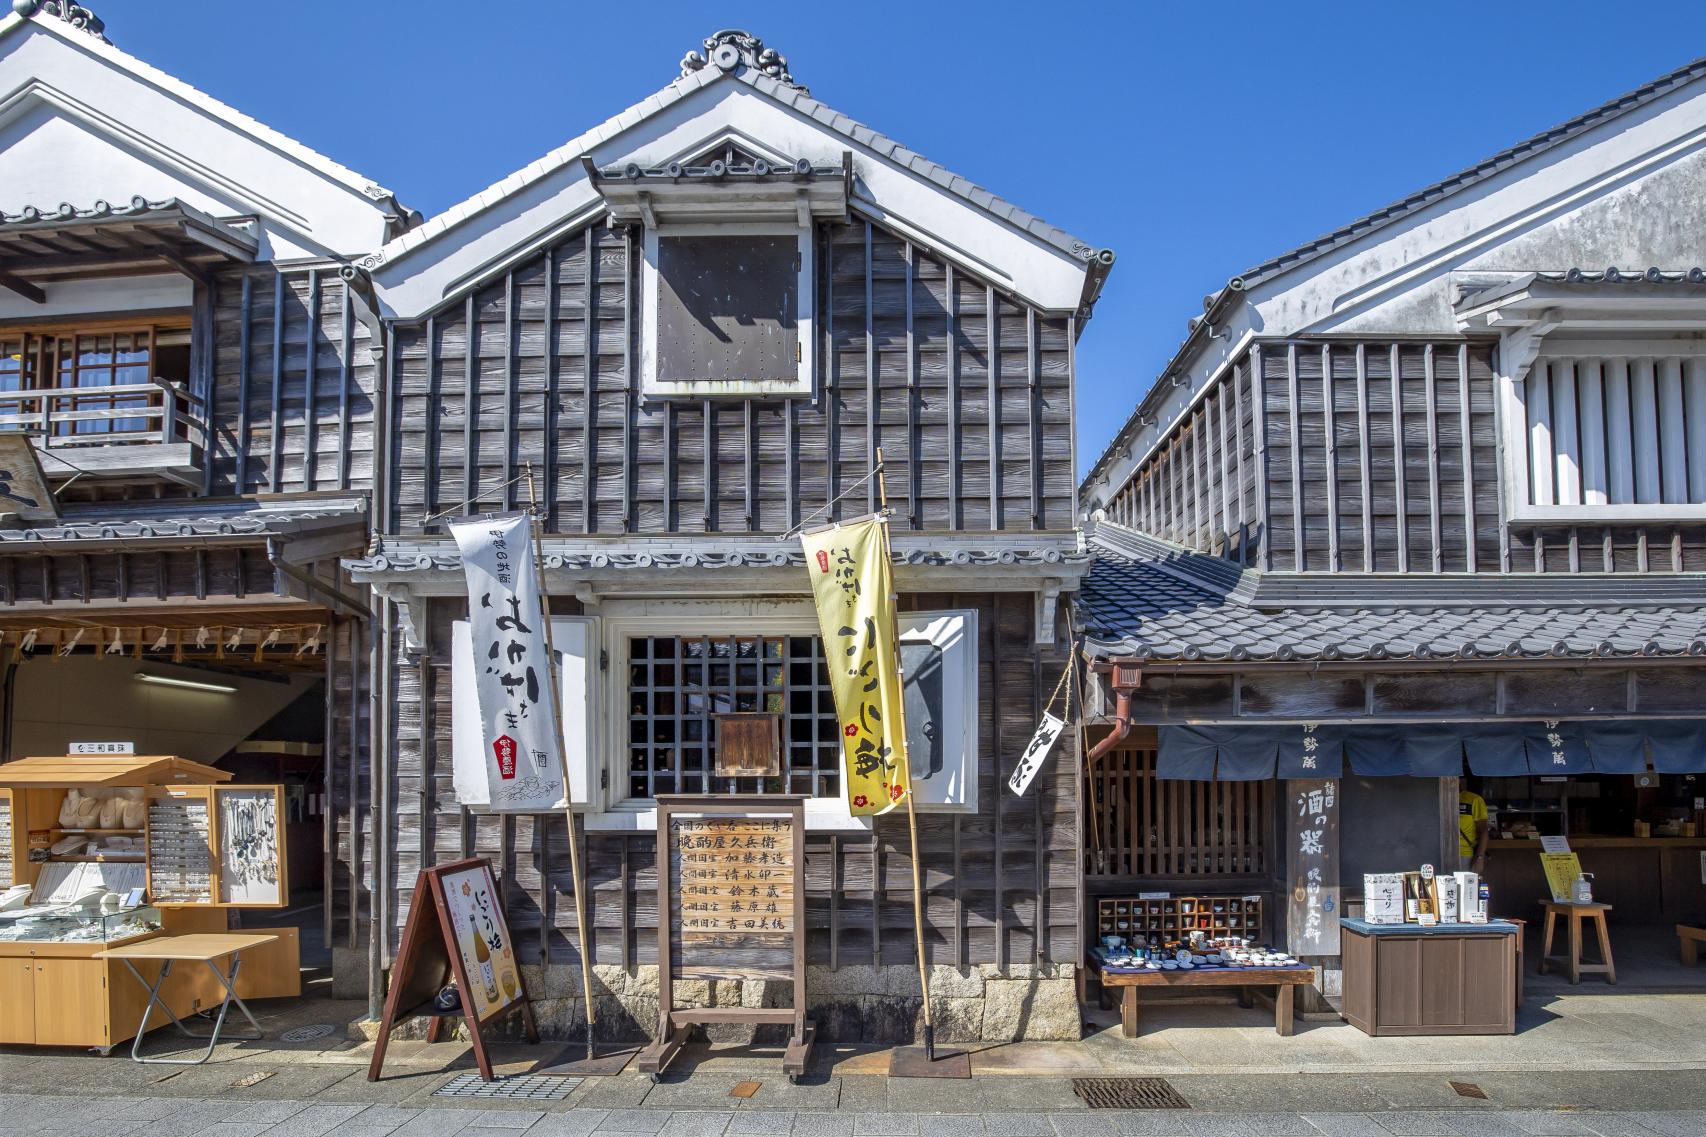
(291, 408)
(1001, 884)
(1199, 486)
(231, 572)
(966, 392)
(1425, 464)
(1365, 457)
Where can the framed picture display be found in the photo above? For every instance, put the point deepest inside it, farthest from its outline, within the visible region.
(217, 847)
(249, 846)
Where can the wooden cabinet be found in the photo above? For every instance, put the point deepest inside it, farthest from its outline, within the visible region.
(1402, 979)
(56, 995)
(17, 1000)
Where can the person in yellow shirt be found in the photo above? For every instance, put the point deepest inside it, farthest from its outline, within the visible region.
(1472, 830)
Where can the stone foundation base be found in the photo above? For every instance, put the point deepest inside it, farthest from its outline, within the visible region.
(854, 1004)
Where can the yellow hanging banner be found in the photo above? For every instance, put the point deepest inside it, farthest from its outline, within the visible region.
(852, 586)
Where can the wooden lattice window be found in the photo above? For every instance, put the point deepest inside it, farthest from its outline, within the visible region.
(676, 684)
(1141, 826)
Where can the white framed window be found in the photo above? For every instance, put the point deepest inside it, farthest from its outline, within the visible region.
(727, 310)
(1611, 431)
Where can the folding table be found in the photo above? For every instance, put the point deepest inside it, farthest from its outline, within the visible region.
(206, 948)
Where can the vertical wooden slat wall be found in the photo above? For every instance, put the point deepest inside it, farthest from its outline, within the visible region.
(1142, 827)
(1001, 884)
(1366, 457)
(967, 392)
(293, 385)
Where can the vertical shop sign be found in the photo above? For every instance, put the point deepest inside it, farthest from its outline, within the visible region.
(1312, 867)
(853, 588)
(512, 668)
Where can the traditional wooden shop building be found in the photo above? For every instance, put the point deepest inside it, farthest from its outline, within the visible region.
(188, 403)
(1421, 506)
(686, 333)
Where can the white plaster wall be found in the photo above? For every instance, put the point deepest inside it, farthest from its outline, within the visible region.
(111, 294)
(85, 698)
(80, 121)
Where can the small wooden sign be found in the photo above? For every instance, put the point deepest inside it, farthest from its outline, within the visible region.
(456, 930)
(733, 892)
(749, 744)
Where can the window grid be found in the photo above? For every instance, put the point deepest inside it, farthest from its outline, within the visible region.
(676, 684)
(75, 359)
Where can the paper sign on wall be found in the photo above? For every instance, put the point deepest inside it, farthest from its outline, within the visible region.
(1037, 752)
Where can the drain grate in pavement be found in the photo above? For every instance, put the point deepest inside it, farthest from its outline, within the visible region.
(307, 1033)
(516, 1087)
(1468, 1090)
(1128, 1093)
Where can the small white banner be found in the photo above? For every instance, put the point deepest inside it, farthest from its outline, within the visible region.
(1048, 731)
(102, 748)
(519, 745)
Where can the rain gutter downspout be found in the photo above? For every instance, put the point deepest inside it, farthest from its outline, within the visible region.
(336, 599)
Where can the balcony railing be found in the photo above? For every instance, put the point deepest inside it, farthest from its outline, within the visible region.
(124, 429)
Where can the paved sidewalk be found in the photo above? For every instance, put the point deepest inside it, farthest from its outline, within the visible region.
(113, 1116)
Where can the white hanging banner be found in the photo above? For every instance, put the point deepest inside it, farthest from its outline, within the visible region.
(1048, 731)
(512, 673)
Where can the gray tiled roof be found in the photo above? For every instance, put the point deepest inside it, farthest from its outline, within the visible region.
(183, 520)
(1149, 601)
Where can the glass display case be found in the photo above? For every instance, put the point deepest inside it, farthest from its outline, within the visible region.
(61, 925)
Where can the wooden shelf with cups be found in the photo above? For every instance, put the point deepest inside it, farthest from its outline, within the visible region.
(1174, 918)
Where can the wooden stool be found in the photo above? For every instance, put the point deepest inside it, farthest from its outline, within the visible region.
(1574, 914)
(1521, 932)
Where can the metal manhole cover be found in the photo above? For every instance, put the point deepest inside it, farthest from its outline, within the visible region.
(1128, 1093)
(308, 1033)
(516, 1087)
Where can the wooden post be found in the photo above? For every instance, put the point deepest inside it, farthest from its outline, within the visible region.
(568, 784)
(911, 812)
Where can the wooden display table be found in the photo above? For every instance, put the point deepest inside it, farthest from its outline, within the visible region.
(1405, 979)
(1284, 980)
(1689, 940)
(205, 948)
(1574, 916)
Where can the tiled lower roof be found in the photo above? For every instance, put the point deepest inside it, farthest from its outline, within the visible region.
(188, 519)
(1146, 601)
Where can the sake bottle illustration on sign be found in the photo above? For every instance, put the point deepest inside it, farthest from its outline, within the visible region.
(483, 957)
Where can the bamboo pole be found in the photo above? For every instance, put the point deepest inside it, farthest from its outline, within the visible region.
(537, 529)
(911, 811)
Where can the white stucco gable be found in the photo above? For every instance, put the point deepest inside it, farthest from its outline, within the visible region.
(81, 121)
(510, 220)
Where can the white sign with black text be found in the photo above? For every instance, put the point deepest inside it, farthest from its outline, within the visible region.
(1048, 733)
(519, 744)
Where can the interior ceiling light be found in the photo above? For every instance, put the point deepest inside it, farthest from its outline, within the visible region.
(192, 684)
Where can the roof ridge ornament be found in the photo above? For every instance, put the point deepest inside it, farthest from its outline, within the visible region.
(76, 15)
(732, 48)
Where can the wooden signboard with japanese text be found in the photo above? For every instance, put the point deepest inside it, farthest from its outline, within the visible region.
(456, 931)
(733, 896)
(1312, 866)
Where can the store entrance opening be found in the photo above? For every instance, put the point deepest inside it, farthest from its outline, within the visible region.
(259, 718)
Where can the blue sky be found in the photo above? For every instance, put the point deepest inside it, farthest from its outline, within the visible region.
(1195, 140)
